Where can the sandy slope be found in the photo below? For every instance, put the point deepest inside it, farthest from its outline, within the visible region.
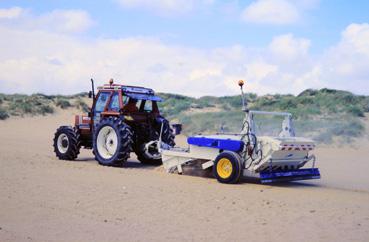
(44, 199)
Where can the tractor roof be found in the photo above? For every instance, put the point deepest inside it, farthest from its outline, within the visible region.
(139, 93)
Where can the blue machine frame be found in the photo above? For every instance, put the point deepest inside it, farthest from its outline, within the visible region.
(295, 175)
(221, 144)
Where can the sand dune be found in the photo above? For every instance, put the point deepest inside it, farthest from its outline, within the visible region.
(45, 199)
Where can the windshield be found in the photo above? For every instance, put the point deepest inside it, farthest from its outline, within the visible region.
(269, 124)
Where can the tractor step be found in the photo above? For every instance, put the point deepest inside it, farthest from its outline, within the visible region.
(294, 175)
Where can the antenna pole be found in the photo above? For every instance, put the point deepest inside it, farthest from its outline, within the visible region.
(244, 101)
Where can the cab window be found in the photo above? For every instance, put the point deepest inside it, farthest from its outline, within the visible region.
(125, 100)
(148, 106)
(114, 103)
(132, 105)
(101, 101)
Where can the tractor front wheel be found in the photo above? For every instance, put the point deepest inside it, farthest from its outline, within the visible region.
(67, 143)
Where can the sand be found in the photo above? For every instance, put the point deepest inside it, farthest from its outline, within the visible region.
(45, 199)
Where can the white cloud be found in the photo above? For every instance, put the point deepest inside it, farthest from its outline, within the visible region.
(10, 13)
(71, 21)
(56, 63)
(40, 59)
(289, 48)
(278, 12)
(356, 38)
(346, 65)
(307, 4)
(271, 12)
(259, 70)
(67, 21)
(165, 7)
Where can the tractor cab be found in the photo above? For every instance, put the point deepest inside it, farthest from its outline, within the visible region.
(140, 104)
(136, 104)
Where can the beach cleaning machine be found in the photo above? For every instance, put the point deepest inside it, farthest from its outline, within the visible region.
(248, 154)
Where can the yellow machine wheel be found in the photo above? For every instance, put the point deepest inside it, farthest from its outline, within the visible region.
(224, 168)
(228, 167)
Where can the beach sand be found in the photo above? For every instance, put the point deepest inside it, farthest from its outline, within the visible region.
(46, 199)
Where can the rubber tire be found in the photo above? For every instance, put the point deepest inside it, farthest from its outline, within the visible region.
(147, 161)
(125, 142)
(74, 140)
(168, 134)
(236, 162)
(167, 137)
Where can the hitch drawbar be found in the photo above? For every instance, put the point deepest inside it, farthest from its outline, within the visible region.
(295, 175)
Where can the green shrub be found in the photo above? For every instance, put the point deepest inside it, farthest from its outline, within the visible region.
(341, 128)
(80, 95)
(356, 111)
(326, 90)
(22, 106)
(80, 104)
(252, 96)
(305, 112)
(225, 107)
(287, 104)
(353, 128)
(42, 96)
(206, 102)
(308, 92)
(3, 114)
(305, 100)
(324, 137)
(212, 122)
(63, 104)
(365, 104)
(232, 101)
(45, 109)
(33, 105)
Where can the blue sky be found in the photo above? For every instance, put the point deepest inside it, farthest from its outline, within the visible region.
(210, 28)
(279, 45)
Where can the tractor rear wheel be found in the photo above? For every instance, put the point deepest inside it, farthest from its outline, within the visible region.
(112, 142)
(168, 134)
(67, 143)
(227, 167)
(148, 154)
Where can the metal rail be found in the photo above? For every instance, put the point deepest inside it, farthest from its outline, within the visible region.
(270, 113)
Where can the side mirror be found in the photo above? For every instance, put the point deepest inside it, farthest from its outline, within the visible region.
(90, 94)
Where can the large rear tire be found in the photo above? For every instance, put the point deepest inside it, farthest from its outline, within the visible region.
(167, 137)
(145, 159)
(67, 143)
(168, 134)
(112, 142)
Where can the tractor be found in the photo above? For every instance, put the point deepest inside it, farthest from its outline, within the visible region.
(122, 119)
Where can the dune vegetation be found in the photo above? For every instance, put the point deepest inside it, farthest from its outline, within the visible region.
(38, 104)
(323, 114)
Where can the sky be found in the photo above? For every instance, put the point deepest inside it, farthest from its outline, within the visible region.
(191, 47)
